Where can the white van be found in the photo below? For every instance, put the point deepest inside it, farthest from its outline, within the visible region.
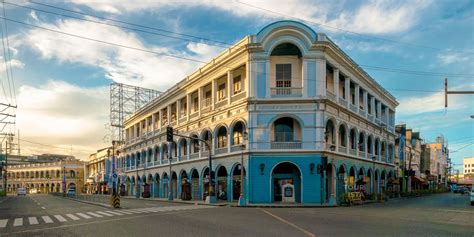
(21, 191)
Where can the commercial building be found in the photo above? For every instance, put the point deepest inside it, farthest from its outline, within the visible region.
(46, 177)
(316, 123)
(468, 164)
(438, 165)
(97, 176)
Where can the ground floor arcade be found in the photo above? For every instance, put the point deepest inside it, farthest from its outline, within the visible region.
(312, 179)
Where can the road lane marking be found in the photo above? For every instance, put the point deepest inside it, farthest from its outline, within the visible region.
(60, 218)
(134, 211)
(33, 220)
(115, 213)
(94, 223)
(3, 223)
(18, 222)
(104, 213)
(44, 208)
(83, 215)
(123, 212)
(289, 223)
(47, 219)
(73, 217)
(94, 214)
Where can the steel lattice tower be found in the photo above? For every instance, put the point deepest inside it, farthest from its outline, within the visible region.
(124, 101)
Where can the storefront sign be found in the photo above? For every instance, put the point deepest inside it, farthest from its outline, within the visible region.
(288, 193)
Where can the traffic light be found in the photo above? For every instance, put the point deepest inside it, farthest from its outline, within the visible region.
(169, 134)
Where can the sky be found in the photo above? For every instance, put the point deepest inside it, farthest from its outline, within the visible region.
(61, 81)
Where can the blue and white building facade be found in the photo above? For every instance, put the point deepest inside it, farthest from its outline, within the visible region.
(314, 120)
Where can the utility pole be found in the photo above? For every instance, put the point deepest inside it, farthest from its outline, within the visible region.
(447, 92)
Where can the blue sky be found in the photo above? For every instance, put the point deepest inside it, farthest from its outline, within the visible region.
(61, 81)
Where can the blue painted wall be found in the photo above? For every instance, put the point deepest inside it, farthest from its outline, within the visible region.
(261, 184)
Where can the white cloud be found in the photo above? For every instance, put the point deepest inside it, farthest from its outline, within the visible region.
(61, 114)
(379, 17)
(34, 16)
(448, 57)
(119, 64)
(15, 63)
(376, 17)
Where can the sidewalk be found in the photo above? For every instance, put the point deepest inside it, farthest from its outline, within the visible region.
(191, 202)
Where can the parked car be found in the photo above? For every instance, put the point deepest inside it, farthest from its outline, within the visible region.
(472, 197)
(465, 190)
(21, 192)
(71, 192)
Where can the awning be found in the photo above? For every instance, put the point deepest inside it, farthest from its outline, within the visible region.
(417, 180)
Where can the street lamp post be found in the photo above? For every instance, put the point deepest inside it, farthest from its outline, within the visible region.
(242, 201)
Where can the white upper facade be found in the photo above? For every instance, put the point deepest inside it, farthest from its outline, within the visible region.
(287, 87)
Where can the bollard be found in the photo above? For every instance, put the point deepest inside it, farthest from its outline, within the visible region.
(115, 201)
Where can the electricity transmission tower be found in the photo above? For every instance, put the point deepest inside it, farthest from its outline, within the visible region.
(124, 101)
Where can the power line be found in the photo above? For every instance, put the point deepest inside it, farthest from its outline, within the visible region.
(118, 26)
(9, 54)
(142, 49)
(42, 144)
(463, 147)
(219, 43)
(129, 23)
(348, 31)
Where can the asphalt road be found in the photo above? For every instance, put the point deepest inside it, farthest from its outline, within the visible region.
(42, 215)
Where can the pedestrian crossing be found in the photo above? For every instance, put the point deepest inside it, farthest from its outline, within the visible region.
(71, 217)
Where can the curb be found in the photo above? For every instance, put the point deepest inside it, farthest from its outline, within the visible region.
(88, 202)
(282, 206)
(177, 201)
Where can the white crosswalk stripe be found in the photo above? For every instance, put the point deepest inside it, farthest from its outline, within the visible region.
(18, 222)
(47, 219)
(124, 212)
(3, 223)
(73, 217)
(33, 220)
(60, 218)
(83, 215)
(94, 214)
(114, 213)
(104, 213)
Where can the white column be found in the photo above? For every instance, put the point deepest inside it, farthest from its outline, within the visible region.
(372, 106)
(320, 77)
(357, 96)
(178, 110)
(230, 85)
(199, 100)
(347, 82)
(168, 110)
(153, 121)
(213, 93)
(365, 102)
(379, 109)
(386, 120)
(160, 116)
(268, 79)
(336, 83)
(188, 106)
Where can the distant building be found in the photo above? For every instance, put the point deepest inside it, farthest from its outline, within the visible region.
(468, 165)
(97, 173)
(408, 156)
(436, 166)
(46, 177)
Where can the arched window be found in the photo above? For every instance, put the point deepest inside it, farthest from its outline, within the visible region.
(157, 153)
(329, 133)
(377, 145)
(238, 134)
(174, 149)
(195, 144)
(284, 130)
(370, 145)
(206, 136)
(222, 137)
(183, 146)
(353, 139)
(342, 136)
(383, 149)
(150, 154)
(164, 149)
(72, 174)
(361, 142)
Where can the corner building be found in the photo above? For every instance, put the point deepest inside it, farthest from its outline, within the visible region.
(313, 117)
